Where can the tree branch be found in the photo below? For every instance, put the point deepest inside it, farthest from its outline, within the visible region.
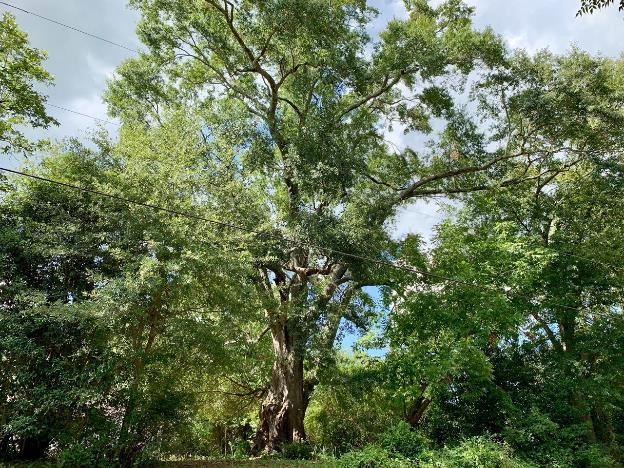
(412, 190)
(386, 86)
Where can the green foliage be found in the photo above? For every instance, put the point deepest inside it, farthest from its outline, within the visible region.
(103, 341)
(590, 6)
(20, 102)
(350, 411)
(298, 451)
(55, 363)
(479, 452)
(129, 334)
(401, 441)
(546, 443)
(371, 456)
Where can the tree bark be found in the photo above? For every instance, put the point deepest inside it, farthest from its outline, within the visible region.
(417, 411)
(283, 410)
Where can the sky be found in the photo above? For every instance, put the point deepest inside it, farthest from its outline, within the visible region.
(81, 65)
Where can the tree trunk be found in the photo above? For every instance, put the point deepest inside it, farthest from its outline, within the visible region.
(417, 411)
(283, 410)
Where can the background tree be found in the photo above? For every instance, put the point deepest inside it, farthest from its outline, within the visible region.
(525, 284)
(133, 293)
(590, 6)
(20, 103)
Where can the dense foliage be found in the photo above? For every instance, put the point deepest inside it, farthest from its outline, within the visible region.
(181, 289)
(20, 102)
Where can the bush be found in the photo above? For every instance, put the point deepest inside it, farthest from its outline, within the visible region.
(476, 452)
(546, 443)
(594, 456)
(76, 456)
(371, 456)
(341, 421)
(401, 440)
(298, 451)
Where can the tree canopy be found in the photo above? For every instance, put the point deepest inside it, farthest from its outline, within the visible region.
(180, 289)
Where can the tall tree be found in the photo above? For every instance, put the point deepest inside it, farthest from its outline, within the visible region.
(20, 102)
(297, 98)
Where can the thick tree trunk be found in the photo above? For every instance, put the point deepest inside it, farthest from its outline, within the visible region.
(283, 410)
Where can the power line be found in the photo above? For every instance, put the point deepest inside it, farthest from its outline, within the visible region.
(82, 114)
(186, 214)
(94, 36)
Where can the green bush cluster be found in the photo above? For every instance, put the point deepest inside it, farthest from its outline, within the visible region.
(478, 452)
(298, 451)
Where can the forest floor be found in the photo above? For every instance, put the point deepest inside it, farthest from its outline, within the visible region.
(261, 463)
(247, 463)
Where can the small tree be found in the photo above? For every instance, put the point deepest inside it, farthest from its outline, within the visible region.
(20, 103)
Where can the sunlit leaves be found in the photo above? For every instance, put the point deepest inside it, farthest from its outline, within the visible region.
(20, 102)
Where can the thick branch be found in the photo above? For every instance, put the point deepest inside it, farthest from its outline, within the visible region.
(412, 190)
(387, 85)
(291, 104)
(551, 335)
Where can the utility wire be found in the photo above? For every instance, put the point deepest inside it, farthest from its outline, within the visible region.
(94, 36)
(186, 214)
(98, 119)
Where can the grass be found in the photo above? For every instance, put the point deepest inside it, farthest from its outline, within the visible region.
(261, 462)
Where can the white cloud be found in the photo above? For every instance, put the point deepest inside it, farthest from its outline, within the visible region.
(101, 70)
(418, 217)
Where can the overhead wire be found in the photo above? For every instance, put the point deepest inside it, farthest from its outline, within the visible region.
(99, 119)
(483, 286)
(73, 28)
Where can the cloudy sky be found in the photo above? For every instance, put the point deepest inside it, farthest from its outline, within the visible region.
(82, 64)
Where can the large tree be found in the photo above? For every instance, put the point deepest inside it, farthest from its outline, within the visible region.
(295, 98)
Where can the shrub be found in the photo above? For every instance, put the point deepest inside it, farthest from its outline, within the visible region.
(371, 456)
(298, 451)
(341, 421)
(476, 452)
(76, 456)
(401, 440)
(594, 456)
